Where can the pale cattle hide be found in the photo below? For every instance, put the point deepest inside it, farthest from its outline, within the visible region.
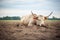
(41, 19)
(29, 19)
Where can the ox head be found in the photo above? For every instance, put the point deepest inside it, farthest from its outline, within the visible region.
(42, 18)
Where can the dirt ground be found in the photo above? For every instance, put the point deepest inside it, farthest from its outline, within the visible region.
(12, 30)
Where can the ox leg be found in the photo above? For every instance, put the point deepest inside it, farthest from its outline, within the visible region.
(30, 23)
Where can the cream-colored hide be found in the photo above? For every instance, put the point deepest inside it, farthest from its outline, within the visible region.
(41, 19)
(29, 19)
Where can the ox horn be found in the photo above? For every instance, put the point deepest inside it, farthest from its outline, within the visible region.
(49, 14)
(32, 12)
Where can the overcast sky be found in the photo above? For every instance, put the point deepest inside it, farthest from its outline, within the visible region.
(24, 7)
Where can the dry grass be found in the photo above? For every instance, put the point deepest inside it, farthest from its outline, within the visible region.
(12, 30)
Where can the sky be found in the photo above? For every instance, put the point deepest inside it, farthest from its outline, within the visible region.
(24, 7)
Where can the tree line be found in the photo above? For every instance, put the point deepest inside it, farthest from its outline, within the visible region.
(10, 18)
(54, 18)
(18, 18)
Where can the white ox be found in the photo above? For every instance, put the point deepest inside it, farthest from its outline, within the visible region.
(29, 19)
(34, 19)
(41, 19)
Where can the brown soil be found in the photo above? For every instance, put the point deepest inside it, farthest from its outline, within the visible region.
(15, 31)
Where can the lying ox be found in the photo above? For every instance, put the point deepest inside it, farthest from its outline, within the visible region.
(29, 19)
(41, 19)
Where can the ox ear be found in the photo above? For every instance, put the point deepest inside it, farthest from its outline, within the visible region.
(45, 18)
